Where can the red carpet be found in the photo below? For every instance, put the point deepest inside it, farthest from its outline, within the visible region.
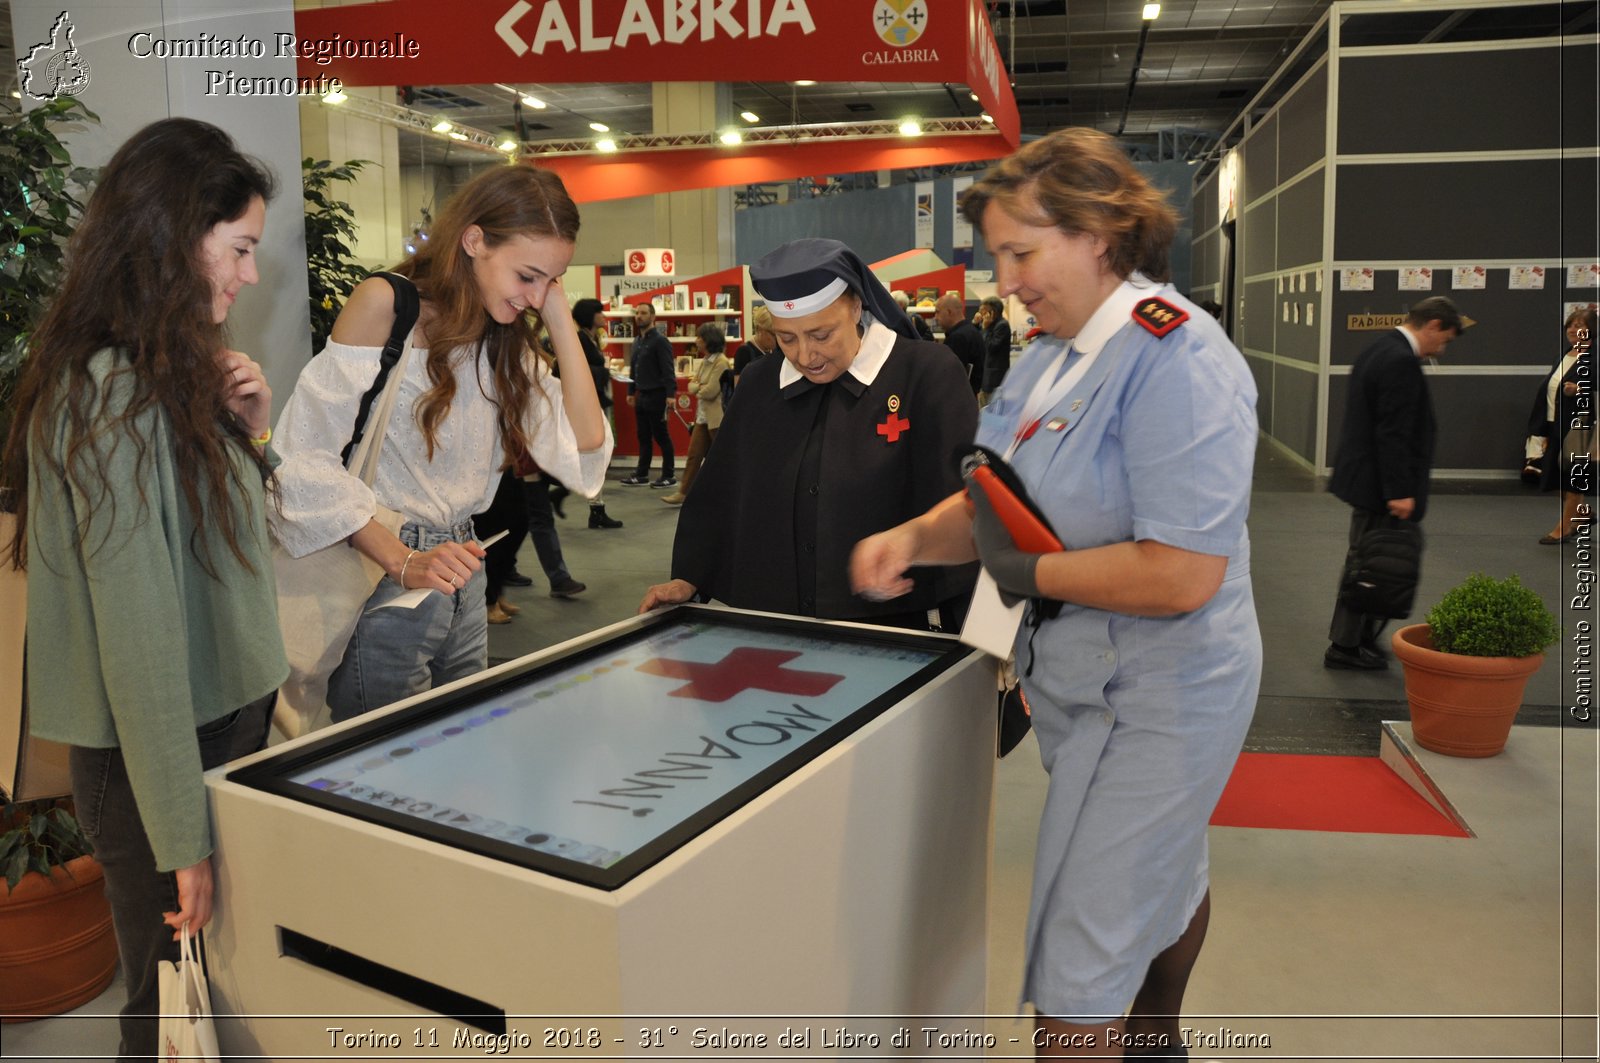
(1360, 795)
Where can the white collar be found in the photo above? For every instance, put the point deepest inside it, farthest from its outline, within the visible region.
(874, 351)
(1416, 350)
(1112, 314)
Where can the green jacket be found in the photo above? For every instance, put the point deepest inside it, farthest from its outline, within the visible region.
(130, 643)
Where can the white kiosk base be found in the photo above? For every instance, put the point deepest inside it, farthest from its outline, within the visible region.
(845, 903)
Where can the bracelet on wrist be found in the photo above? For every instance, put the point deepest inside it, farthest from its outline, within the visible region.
(403, 566)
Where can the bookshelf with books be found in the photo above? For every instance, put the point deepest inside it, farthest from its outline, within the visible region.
(722, 298)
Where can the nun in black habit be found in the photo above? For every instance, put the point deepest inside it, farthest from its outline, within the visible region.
(857, 428)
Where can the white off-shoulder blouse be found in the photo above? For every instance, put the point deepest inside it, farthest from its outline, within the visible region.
(322, 503)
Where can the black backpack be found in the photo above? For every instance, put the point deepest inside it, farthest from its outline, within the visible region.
(1380, 578)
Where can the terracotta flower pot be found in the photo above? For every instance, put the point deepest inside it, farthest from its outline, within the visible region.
(57, 950)
(1461, 706)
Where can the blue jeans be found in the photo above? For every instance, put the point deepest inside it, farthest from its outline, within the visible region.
(137, 892)
(396, 653)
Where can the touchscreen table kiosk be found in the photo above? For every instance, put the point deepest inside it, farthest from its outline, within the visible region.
(716, 828)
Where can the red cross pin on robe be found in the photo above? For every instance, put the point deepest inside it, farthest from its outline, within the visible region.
(894, 426)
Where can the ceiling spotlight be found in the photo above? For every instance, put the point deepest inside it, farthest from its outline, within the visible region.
(805, 83)
(750, 116)
(457, 136)
(605, 144)
(732, 137)
(974, 96)
(334, 96)
(508, 145)
(987, 117)
(1152, 12)
(599, 127)
(910, 127)
(441, 126)
(535, 102)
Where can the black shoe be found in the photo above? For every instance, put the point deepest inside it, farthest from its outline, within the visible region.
(567, 588)
(666, 481)
(1361, 659)
(1376, 649)
(558, 495)
(598, 518)
(636, 480)
(517, 579)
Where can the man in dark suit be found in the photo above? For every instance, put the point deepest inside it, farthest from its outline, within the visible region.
(961, 336)
(1386, 453)
(997, 343)
(654, 383)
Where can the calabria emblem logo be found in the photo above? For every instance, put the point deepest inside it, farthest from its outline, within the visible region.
(900, 22)
(54, 68)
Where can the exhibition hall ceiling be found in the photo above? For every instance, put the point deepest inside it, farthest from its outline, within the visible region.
(1072, 62)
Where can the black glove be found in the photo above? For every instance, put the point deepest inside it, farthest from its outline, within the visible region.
(1012, 567)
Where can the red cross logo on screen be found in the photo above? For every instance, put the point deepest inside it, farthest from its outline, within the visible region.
(743, 669)
(893, 427)
(636, 262)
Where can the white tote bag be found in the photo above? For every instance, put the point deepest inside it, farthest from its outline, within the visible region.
(321, 595)
(187, 1030)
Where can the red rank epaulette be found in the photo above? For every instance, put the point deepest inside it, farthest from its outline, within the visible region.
(1158, 316)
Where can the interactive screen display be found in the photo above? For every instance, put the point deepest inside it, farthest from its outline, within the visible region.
(594, 766)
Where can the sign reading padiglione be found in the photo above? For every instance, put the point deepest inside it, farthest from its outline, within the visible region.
(615, 757)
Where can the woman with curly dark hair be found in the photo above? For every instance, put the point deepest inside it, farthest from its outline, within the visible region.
(138, 465)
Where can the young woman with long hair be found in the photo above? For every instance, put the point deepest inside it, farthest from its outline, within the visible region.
(472, 393)
(137, 464)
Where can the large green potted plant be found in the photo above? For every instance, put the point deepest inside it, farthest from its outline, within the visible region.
(57, 948)
(330, 222)
(1467, 667)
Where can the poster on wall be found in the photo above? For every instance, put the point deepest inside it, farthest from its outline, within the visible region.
(1584, 276)
(962, 231)
(1355, 279)
(1465, 278)
(1416, 279)
(1526, 278)
(924, 214)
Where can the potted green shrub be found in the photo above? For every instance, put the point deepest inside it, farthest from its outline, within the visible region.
(1466, 668)
(330, 229)
(57, 948)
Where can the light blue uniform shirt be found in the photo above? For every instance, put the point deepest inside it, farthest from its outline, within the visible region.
(1156, 441)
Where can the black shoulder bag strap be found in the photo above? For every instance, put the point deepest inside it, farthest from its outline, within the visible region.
(406, 307)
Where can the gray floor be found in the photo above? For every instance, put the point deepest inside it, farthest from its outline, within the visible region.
(1324, 946)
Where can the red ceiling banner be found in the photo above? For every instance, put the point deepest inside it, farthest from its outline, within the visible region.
(593, 178)
(580, 41)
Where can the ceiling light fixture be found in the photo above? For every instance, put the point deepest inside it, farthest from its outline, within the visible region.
(535, 102)
(750, 116)
(732, 137)
(974, 96)
(334, 96)
(599, 127)
(441, 126)
(987, 117)
(508, 146)
(457, 136)
(605, 144)
(1152, 12)
(910, 127)
(805, 83)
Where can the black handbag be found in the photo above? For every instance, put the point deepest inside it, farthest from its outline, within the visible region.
(1380, 578)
